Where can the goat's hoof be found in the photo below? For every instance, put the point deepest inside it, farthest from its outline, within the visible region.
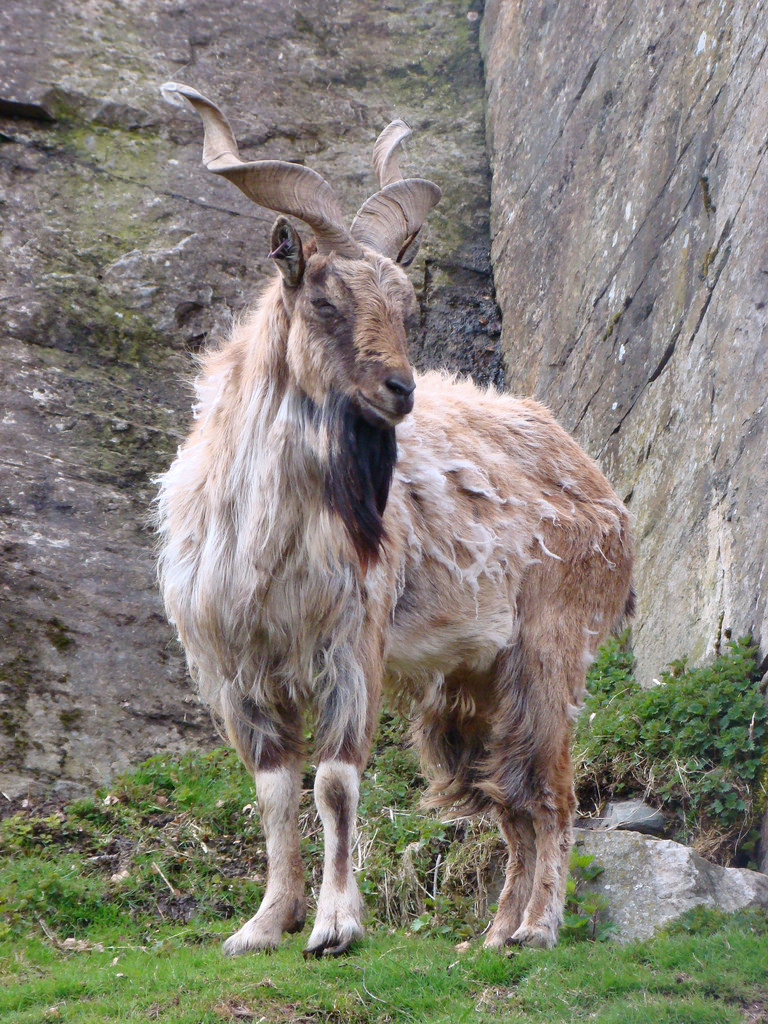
(315, 952)
(253, 937)
(533, 937)
(330, 947)
(265, 930)
(237, 945)
(497, 941)
(332, 942)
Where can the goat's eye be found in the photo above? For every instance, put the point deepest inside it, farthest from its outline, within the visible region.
(324, 307)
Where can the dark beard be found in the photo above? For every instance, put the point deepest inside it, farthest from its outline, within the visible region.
(358, 472)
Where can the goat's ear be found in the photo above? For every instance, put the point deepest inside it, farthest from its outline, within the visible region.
(287, 251)
(410, 250)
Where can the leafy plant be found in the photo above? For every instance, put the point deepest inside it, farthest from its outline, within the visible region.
(583, 918)
(694, 745)
(611, 676)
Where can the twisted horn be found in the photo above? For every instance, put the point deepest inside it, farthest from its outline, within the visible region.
(386, 161)
(390, 220)
(275, 184)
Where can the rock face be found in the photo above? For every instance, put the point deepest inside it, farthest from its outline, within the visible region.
(650, 882)
(630, 244)
(119, 256)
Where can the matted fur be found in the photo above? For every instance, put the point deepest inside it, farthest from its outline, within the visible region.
(323, 538)
(471, 560)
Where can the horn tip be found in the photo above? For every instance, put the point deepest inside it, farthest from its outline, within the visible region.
(177, 94)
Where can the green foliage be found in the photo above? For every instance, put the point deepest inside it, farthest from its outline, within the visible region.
(695, 744)
(113, 908)
(179, 839)
(584, 917)
(213, 787)
(611, 676)
(176, 839)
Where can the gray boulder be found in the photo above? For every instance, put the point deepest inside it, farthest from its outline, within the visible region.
(650, 882)
(634, 814)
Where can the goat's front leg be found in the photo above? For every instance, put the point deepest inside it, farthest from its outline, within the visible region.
(339, 907)
(347, 716)
(347, 707)
(283, 907)
(269, 745)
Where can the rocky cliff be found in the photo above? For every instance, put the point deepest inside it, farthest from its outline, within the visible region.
(630, 251)
(629, 246)
(119, 255)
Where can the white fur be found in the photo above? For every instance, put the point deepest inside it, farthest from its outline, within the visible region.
(338, 921)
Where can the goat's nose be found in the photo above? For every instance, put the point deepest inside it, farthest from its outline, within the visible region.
(401, 387)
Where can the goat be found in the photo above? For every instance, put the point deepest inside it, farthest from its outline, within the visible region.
(324, 538)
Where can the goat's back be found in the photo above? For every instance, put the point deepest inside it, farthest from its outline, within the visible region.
(496, 512)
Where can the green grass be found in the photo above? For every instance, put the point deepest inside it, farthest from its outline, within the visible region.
(113, 908)
(706, 972)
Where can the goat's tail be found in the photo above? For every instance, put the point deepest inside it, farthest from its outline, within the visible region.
(631, 605)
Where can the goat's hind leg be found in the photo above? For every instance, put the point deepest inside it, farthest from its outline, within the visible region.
(552, 824)
(539, 843)
(270, 749)
(518, 832)
(530, 777)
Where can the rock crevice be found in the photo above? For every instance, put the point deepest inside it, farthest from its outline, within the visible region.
(628, 178)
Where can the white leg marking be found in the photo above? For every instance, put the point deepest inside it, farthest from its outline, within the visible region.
(283, 907)
(339, 907)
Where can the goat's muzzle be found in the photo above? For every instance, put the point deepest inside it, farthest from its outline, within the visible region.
(391, 403)
(400, 391)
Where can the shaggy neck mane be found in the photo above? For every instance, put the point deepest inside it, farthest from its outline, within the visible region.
(358, 471)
